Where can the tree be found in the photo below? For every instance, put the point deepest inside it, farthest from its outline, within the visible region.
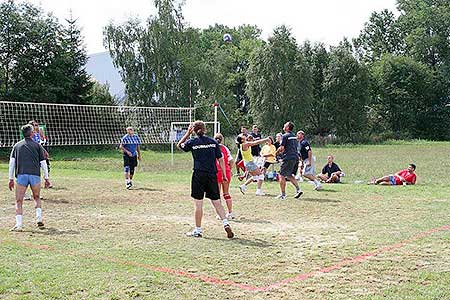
(382, 34)
(319, 111)
(279, 82)
(346, 87)
(426, 24)
(410, 98)
(40, 61)
(149, 58)
(28, 47)
(100, 95)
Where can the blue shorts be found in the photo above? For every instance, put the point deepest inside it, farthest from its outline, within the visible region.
(26, 179)
(392, 180)
(250, 166)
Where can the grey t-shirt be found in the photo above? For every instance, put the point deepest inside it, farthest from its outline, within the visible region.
(28, 155)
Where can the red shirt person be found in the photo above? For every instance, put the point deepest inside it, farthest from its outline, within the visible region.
(403, 177)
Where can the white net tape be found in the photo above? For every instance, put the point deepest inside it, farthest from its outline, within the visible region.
(67, 124)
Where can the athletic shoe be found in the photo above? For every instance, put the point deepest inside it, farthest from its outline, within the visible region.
(298, 194)
(27, 196)
(318, 187)
(16, 228)
(281, 197)
(129, 185)
(242, 188)
(230, 233)
(260, 193)
(230, 216)
(195, 233)
(40, 224)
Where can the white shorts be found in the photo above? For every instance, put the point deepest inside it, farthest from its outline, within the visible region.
(311, 170)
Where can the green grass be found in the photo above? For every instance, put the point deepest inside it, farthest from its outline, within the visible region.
(97, 233)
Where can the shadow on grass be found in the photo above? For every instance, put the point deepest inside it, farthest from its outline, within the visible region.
(245, 242)
(53, 231)
(146, 189)
(55, 200)
(320, 200)
(251, 221)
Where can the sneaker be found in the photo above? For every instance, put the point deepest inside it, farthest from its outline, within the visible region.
(230, 216)
(318, 187)
(230, 233)
(260, 193)
(40, 224)
(242, 188)
(281, 197)
(298, 194)
(129, 185)
(27, 197)
(195, 233)
(16, 228)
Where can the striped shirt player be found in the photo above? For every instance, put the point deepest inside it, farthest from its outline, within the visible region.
(130, 146)
(205, 151)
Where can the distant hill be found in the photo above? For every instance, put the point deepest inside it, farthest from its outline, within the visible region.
(100, 66)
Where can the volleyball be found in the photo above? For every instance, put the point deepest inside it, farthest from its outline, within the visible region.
(227, 37)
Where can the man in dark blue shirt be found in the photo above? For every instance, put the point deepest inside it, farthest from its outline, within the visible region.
(205, 151)
(130, 146)
(289, 165)
(256, 136)
(331, 173)
(308, 166)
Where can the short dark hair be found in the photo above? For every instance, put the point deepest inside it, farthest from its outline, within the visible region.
(27, 130)
(290, 125)
(413, 165)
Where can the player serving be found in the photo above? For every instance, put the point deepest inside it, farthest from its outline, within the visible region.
(205, 151)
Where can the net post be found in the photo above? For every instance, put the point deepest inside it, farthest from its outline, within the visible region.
(216, 105)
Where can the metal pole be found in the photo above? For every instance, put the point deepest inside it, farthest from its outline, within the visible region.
(216, 129)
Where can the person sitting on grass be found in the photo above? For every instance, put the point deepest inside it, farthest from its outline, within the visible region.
(331, 173)
(405, 177)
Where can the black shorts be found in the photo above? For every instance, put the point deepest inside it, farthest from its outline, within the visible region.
(289, 167)
(204, 184)
(131, 162)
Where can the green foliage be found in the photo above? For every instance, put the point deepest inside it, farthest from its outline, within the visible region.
(319, 110)
(40, 60)
(279, 83)
(381, 34)
(346, 87)
(100, 95)
(410, 98)
(150, 57)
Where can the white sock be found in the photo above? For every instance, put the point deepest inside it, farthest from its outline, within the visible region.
(198, 229)
(299, 189)
(19, 220)
(39, 213)
(316, 182)
(225, 222)
(258, 191)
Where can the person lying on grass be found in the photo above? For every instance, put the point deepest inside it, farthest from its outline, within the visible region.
(405, 177)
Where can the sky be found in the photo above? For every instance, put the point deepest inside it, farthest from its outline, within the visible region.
(327, 21)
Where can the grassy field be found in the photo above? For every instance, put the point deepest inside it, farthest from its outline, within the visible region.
(349, 241)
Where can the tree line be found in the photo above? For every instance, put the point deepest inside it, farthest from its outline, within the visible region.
(43, 60)
(392, 81)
